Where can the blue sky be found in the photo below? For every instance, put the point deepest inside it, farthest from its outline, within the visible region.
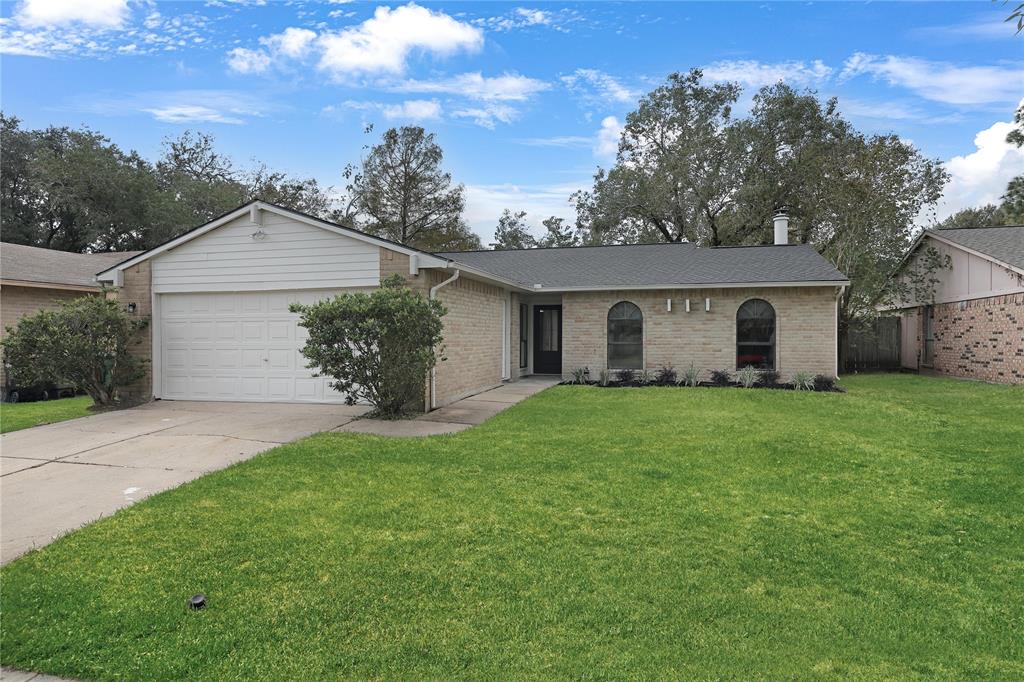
(526, 98)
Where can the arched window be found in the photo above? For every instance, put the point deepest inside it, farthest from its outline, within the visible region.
(755, 335)
(625, 336)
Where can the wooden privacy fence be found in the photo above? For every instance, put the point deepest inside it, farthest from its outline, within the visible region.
(872, 347)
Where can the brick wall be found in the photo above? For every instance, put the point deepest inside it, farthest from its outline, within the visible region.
(805, 320)
(981, 339)
(137, 288)
(17, 302)
(395, 263)
(472, 337)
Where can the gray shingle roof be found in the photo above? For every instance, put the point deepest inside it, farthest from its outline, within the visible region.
(1002, 243)
(659, 265)
(48, 266)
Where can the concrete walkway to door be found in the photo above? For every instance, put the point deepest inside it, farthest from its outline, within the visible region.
(458, 416)
(55, 478)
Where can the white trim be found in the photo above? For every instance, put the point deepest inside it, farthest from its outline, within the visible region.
(156, 363)
(89, 288)
(255, 207)
(679, 287)
(955, 299)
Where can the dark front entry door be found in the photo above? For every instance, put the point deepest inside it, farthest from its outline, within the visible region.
(547, 339)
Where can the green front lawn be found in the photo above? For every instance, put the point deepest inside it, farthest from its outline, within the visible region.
(16, 416)
(586, 533)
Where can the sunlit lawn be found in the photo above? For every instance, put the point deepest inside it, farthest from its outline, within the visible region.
(16, 416)
(584, 534)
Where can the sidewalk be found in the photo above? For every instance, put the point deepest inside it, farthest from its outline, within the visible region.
(458, 416)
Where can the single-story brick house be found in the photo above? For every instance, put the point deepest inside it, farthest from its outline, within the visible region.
(34, 279)
(974, 325)
(219, 296)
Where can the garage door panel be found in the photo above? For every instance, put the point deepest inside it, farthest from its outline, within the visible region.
(237, 346)
(252, 358)
(203, 359)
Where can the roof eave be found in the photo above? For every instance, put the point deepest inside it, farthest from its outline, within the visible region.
(427, 259)
(49, 285)
(698, 285)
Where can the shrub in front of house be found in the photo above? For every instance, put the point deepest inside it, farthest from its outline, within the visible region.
(747, 376)
(626, 377)
(769, 378)
(377, 347)
(667, 376)
(85, 343)
(720, 377)
(802, 381)
(825, 383)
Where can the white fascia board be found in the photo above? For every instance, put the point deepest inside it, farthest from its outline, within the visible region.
(707, 285)
(426, 260)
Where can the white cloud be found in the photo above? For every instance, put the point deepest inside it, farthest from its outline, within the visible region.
(244, 60)
(596, 85)
(940, 81)
(410, 110)
(180, 106)
(984, 28)
(292, 42)
(191, 113)
(887, 111)
(383, 43)
(488, 115)
(414, 110)
(96, 13)
(507, 87)
(981, 177)
(484, 204)
(526, 17)
(533, 17)
(606, 144)
(557, 141)
(755, 74)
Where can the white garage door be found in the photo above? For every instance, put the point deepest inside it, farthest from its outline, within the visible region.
(237, 346)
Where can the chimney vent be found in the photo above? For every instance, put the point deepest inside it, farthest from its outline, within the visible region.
(781, 228)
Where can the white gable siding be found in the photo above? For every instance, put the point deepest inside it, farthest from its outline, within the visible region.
(293, 255)
(971, 276)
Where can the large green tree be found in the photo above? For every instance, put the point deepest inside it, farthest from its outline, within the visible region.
(675, 171)
(401, 192)
(513, 232)
(75, 190)
(686, 169)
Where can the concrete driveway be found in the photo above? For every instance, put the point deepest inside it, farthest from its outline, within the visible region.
(56, 478)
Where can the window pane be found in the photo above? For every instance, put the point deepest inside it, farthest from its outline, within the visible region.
(625, 355)
(755, 335)
(625, 336)
(549, 330)
(524, 335)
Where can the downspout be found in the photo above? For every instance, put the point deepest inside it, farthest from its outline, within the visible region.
(839, 339)
(433, 370)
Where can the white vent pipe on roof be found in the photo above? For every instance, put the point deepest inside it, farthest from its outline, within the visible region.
(781, 228)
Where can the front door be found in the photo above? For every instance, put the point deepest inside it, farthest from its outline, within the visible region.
(547, 339)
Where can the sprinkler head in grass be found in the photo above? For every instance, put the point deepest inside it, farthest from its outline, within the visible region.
(197, 602)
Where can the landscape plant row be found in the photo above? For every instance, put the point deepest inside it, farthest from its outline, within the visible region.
(745, 377)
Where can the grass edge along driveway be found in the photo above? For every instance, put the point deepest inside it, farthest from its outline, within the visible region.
(693, 533)
(18, 416)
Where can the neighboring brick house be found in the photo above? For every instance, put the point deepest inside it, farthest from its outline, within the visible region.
(221, 329)
(973, 327)
(34, 279)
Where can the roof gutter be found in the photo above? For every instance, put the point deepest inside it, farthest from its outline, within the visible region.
(433, 370)
(539, 289)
